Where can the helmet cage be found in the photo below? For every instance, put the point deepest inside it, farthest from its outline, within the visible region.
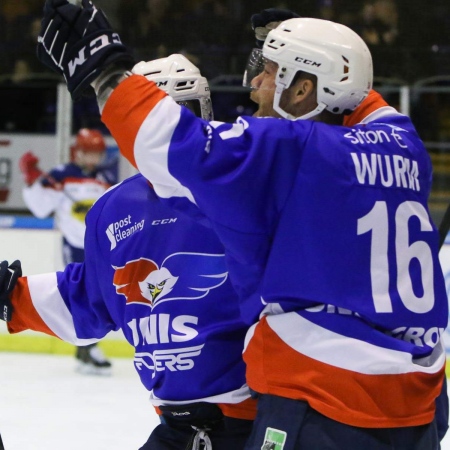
(182, 80)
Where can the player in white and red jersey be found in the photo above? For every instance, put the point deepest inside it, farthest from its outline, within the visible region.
(68, 191)
(328, 236)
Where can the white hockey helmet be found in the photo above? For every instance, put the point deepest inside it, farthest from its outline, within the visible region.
(182, 80)
(334, 53)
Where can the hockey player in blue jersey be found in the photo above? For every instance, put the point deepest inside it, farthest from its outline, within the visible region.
(262, 23)
(160, 277)
(348, 311)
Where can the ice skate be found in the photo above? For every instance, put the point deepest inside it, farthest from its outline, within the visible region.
(92, 361)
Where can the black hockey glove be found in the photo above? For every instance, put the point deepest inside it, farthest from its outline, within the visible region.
(8, 279)
(78, 42)
(267, 20)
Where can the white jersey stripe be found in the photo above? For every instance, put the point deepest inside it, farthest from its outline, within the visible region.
(151, 149)
(348, 353)
(51, 308)
(232, 397)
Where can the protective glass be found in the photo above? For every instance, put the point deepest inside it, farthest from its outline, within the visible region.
(193, 105)
(255, 65)
(201, 108)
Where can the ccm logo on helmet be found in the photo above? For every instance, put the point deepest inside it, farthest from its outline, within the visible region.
(309, 62)
(94, 46)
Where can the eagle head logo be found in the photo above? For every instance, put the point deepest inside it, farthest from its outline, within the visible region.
(181, 276)
(157, 285)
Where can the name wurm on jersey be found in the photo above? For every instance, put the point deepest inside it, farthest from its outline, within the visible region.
(387, 170)
(123, 229)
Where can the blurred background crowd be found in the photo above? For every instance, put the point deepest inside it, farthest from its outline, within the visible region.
(409, 39)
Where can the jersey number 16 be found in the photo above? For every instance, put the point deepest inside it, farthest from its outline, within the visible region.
(377, 222)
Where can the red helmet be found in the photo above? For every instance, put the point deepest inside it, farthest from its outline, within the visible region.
(90, 140)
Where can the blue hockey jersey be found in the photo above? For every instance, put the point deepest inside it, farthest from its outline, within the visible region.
(161, 278)
(328, 237)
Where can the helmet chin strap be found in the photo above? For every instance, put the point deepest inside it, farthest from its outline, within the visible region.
(276, 106)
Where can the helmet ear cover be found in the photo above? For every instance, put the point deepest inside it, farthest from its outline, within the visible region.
(182, 81)
(334, 53)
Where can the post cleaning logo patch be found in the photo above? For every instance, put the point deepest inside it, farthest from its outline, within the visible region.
(274, 439)
(123, 229)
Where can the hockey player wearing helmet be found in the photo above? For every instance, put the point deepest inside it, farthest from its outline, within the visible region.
(161, 277)
(327, 232)
(88, 150)
(264, 77)
(262, 23)
(68, 191)
(333, 75)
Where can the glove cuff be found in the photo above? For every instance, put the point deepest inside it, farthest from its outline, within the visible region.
(98, 50)
(262, 32)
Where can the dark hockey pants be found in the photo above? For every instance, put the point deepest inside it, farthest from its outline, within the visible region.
(179, 426)
(286, 424)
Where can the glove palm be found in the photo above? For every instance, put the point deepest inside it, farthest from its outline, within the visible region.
(267, 20)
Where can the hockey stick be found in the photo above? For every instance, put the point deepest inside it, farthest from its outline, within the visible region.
(444, 227)
(58, 186)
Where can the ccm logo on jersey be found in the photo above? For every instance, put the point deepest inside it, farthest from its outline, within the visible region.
(93, 47)
(164, 221)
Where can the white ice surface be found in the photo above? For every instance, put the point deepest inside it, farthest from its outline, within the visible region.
(46, 405)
